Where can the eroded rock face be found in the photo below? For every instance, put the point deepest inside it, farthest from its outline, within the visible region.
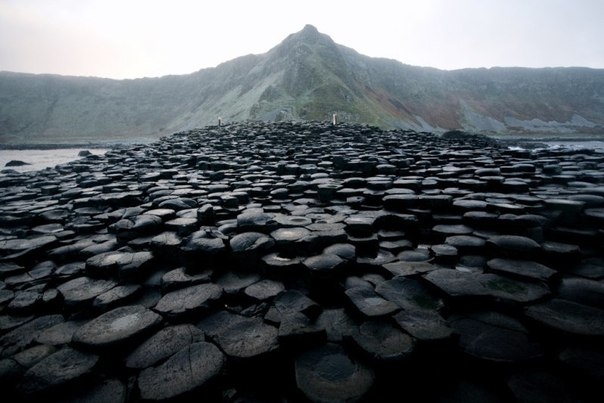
(344, 259)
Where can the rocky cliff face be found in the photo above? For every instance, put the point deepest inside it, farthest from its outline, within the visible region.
(306, 77)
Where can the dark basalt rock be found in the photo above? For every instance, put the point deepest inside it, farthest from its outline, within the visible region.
(248, 247)
(382, 341)
(345, 251)
(466, 243)
(105, 390)
(495, 337)
(116, 327)
(587, 361)
(59, 334)
(203, 247)
(188, 301)
(256, 221)
(332, 257)
(424, 325)
(328, 374)
(409, 294)
(568, 317)
(532, 386)
(116, 296)
(514, 246)
(57, 370)
(233, 282)
(124, 264)
(291, 301)
(240, 337)
(458, 284)
(163, 344)
(16, 163)
(22, 336)
(337, 324)
(369, 303)
(582, 291)
(30, 357)
(82, 290)
(324, 264)
(191, 368)
(179, 278)
(264, 289)
(521, 268)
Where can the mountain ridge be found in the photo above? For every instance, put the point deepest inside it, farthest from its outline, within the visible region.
(307, 76)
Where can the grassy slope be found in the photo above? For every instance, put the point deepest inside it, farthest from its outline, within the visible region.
(308, 77)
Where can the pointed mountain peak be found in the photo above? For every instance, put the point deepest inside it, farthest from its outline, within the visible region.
(309, 30)
(309, 35)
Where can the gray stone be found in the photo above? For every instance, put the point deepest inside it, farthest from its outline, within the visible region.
(239, 336)
(289, 234)
(22, 336)
(399, 268)
(188, 301)
(463, 284)
(163, 344)
(251, 242)
(337, 324)
(588, 361)
(264, 289)
(329, 374)
(495, 337)
(186, 371)
(424, 325)
(466, 243)
(540, 387)
(116, 296)
(31, 356)
(382, 341)
(514, 246)
(59, 369)
(105, 390)
(369, 303)
(125, 264)
(409, 294)
(568, 317)
(82, 290)
(324, 263)
(59, 334)
(117, 327)
(233, 282)
(291, 301)
(521, 268)
(179, 278)
(582, 291)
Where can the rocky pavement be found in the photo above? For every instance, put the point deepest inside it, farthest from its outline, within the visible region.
(305, 262)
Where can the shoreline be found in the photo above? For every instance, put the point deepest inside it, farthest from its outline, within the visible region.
(60, 146)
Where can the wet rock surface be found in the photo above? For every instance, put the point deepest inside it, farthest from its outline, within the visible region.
(305, 262)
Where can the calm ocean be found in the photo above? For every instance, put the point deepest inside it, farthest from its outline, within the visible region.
(40, 159)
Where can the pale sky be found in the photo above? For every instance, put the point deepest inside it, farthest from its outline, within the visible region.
(150, 38)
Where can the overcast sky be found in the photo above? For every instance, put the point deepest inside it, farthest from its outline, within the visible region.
(149, 38)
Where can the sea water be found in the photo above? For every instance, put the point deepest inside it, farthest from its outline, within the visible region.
(40, 159)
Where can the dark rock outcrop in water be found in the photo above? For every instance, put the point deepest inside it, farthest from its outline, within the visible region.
(305, 262)
(16, 163)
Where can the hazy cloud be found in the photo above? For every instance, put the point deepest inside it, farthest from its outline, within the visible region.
(136, 38)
